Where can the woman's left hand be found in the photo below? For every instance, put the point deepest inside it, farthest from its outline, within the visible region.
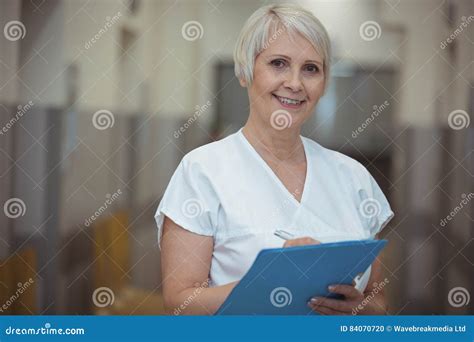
(350, 305)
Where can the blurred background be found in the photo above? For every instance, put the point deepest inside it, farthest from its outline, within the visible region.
(100, 100)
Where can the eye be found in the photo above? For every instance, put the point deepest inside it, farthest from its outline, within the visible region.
(278, 63)
(312, 68)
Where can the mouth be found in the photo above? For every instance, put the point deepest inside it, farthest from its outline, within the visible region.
(289, 102)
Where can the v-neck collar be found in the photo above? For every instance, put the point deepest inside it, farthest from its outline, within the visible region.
(274, 176)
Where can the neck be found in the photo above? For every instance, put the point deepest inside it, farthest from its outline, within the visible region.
(285, 145)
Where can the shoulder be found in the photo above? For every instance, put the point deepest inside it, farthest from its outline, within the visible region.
(360, 187)
(212, 156)
(336, 160)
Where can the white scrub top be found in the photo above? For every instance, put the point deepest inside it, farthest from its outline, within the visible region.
(226, 190)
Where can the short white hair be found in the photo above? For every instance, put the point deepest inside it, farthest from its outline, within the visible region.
(266, 23)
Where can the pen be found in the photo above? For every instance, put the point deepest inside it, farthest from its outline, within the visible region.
(283, 234)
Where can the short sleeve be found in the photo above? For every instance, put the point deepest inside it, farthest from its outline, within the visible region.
(374, 209)
(189, 200)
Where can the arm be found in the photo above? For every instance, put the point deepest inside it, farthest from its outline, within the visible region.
(375, 291)
(185, 263)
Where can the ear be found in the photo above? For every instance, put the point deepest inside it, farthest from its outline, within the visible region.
(243, 82)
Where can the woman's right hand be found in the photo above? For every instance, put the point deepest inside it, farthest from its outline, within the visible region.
(302, 241)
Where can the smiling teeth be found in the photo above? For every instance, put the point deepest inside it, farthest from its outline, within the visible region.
(288, 101)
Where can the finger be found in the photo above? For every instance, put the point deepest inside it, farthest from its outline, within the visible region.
(348, 291)
(311, 241)
(335, 304)
(302, 241)
(290, 243)
(326, 311)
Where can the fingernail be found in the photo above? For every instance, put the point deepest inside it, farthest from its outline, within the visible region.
(331, 288)
(314, 300)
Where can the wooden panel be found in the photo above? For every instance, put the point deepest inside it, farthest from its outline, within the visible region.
(135, 301)
(24, 266)
(119, 247)
(111, 251)
(18, 290)
(111, 267)
(6, 284)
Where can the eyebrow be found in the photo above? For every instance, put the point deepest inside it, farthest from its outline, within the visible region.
(307, 61)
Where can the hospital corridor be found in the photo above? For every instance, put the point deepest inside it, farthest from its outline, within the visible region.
(100, 101)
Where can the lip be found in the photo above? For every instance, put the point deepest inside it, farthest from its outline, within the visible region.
(289, 106)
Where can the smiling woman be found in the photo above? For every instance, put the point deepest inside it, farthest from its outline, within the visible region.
(226, 199)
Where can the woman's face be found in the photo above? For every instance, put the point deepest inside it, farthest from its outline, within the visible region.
(288, 81)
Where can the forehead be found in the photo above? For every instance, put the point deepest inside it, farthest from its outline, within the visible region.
(291, 44)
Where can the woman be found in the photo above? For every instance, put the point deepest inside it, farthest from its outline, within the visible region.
(226, 199)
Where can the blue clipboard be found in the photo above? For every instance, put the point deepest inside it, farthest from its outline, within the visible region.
(281, 281)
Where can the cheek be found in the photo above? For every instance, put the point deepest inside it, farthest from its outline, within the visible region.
(257, 92)
(262, 89)
(265, 79)
(316, 90)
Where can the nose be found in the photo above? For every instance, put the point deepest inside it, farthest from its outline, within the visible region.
(293, 81)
